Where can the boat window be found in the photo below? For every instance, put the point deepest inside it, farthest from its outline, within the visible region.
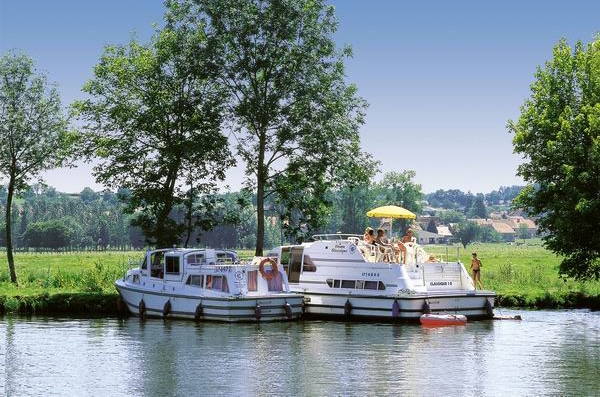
(156, 264)
(218, 283)
(370, 284)
(309, 265)
(348, 283)
(295, 264)
(285, 259)
(356, 284)
(226, 257)
(136, 278)
(172, 264)
(195, 280)
(252, 277)
(196, 259)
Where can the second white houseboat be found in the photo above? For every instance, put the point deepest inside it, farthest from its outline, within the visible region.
(339, 277)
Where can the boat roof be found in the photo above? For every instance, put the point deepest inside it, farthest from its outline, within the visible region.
(179, 250)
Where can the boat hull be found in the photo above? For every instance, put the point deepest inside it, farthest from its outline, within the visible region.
(474, 305)
(151, 303)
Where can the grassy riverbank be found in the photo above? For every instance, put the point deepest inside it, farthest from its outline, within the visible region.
(78, 283)
(526, 275)
(82, 283)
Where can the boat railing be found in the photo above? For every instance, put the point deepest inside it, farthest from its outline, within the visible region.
(335, 236)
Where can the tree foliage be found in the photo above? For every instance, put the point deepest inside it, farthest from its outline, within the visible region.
(154, 122)
(467, 232)
(451, 216)
(54, 234)
(558, 133)
(294, 116)
(523, 231)
(33, 131)
(399, 188)
(478, 209)
(350, 207)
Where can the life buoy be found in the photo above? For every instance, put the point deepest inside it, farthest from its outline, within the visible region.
(263, 273)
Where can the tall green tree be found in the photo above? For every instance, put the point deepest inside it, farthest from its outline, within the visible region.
(558, 134)
(478, 209)
(33, 131)
(451, 216)
(399, 188)
(154, 122)
(467, 232)
(352, 205)
(295, 118)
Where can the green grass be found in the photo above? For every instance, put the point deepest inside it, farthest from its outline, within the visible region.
(65, 272)
(64, 282)
(523, 275)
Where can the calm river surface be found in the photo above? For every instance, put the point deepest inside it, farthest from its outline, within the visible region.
(548, 353)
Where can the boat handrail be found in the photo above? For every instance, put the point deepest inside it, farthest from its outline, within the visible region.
(334, 236)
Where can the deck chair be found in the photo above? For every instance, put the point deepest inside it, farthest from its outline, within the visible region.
(384, 254)
(369, 251)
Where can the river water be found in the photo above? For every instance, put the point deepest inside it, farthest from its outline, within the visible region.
(548, 353)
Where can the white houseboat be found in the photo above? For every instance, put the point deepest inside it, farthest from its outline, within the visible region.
(338, 276)
(208, 284)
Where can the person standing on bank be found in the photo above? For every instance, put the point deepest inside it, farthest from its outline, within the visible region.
(476, 268)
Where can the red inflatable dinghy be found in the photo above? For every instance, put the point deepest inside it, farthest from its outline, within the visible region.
(440, 320)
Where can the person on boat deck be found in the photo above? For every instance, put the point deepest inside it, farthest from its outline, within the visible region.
(383, 243)
(408, 238)
(476, 268)
(369, 236)
(367, 245)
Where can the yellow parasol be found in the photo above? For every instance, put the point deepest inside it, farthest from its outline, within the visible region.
(391, 211)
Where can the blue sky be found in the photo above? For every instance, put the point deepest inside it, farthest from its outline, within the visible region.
(442, 78)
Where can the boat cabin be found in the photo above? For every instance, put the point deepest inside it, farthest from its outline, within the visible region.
(207, 269)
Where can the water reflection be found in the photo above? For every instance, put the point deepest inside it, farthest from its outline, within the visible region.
(547, 353)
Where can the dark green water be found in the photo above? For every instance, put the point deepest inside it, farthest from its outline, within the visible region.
(548, 353)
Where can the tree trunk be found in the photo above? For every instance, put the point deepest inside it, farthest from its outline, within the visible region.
(260, 214)
(261, 178)
(189, 217)
(9, 248)
(162, 239)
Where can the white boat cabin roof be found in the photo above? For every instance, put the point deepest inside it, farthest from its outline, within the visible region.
(193, 256)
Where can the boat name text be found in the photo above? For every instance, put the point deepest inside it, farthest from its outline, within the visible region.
(339, 248)
(437, 283)
(370, 274)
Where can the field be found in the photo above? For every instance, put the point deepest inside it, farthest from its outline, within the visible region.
(524, 275)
